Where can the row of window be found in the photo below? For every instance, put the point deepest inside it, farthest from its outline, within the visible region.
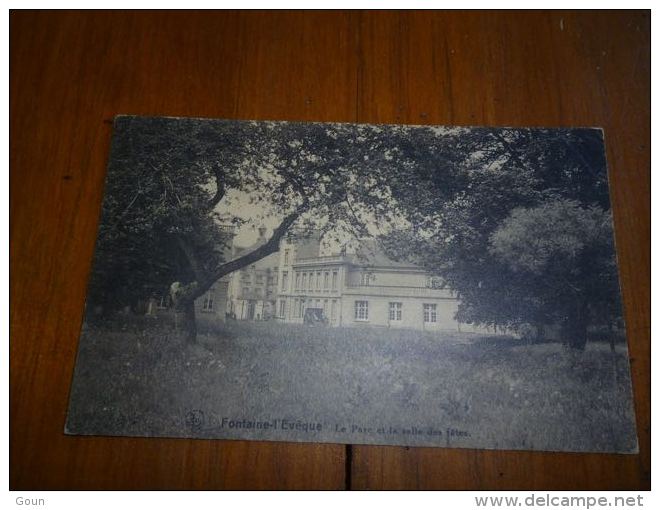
(430, 311)
(256, 292)
(312, 280)
(432, 282)
(246, 279)
(325, 280)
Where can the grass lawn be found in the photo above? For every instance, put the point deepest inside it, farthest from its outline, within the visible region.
(373, 386)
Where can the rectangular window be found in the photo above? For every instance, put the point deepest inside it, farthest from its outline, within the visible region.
(395, 311)
(333, 313)
(297, 280)
(246, 291)
(318, 280)
(430, 313)
(207, 304)
(311, 281)
(334, 280)
(304, 281)
(286, 257)
(282, 307)
(326, 281)
(365, 278)
(434, 282)
(362, 310)
(285, 280)
(302, 308)
(260, 279)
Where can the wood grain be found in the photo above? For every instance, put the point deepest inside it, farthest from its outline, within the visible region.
(71, 72)
(525, 69)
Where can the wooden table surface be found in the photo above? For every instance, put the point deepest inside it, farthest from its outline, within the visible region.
(71, 72)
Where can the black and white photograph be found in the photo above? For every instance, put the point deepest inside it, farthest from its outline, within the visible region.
(356, 283)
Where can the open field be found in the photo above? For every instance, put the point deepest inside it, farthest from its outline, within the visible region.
(381, 386)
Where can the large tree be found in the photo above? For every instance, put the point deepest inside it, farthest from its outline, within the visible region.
(446, 198)
(168, 178)
(479, 185)
(559, 256)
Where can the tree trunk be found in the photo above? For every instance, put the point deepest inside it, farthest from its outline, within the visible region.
(183, 295)
(574, 331)
(540, 332)
(185, 309)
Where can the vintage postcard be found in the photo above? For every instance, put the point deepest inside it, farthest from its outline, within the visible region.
(354, 283)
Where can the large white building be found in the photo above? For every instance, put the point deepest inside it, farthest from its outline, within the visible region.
(365, 288)
(252, 291)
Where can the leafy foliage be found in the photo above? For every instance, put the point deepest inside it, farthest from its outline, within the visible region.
(515, 221)
(159, 194)
(168, 177)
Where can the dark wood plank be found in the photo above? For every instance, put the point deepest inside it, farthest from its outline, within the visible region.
(70, 73)
(525, 69)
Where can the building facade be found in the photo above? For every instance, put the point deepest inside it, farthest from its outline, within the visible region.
(252, 290)
(214, 301)
(365, 288)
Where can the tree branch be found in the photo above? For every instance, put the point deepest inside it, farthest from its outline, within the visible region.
(360, 228)
(207, 280)
(220, 189)
(270, 246)
(117, 221)
(508, 147)
(128, 207)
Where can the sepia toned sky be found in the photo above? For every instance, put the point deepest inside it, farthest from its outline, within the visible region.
(256, 213)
